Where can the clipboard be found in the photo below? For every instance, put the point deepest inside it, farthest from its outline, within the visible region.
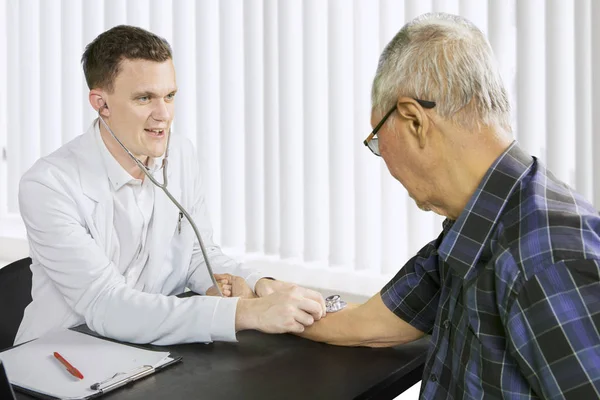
(102, 391)
(106, 365)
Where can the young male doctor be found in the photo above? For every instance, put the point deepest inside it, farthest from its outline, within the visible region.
(109, 249)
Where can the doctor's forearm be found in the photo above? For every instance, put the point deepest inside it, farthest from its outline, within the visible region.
(139, 317)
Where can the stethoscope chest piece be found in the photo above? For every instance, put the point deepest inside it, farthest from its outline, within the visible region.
(334, 303)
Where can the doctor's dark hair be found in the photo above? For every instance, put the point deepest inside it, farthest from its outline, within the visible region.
(102, 57)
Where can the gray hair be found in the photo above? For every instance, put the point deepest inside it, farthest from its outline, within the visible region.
(447, 59)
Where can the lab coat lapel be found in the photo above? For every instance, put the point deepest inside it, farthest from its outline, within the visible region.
(98, 212)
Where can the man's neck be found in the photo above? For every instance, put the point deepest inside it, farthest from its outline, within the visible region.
(115, 149)
(466, 170)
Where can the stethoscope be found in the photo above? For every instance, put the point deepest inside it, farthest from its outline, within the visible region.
(163, 186)
(332, 303)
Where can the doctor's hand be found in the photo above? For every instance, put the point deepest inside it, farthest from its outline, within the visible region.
(240, 288)
(225, 283)
(232, 286)
(265, 287)
(288, 310)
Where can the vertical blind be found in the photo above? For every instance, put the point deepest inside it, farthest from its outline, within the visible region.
(275, 95)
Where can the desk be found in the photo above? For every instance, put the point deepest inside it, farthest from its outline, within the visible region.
(262, 366)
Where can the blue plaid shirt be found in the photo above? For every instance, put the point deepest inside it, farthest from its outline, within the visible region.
(510, 291)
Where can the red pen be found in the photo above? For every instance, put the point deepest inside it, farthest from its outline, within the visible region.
(72, 370)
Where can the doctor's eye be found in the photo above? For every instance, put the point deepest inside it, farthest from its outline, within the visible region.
(170, 96)
(143, 99)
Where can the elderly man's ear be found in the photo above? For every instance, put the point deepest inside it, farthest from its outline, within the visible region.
(414, 116)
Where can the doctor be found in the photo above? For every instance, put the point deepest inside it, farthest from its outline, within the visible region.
(109, 249)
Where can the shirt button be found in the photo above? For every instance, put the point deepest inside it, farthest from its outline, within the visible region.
(446, 323)
(433, 378)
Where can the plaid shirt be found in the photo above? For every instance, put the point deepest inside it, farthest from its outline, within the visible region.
(510, 291)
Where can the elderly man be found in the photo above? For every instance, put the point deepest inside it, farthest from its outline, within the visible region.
(510, 290)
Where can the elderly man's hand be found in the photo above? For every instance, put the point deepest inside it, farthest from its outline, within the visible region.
(265, 287)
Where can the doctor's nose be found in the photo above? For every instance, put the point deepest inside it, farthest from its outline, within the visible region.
(162, 111)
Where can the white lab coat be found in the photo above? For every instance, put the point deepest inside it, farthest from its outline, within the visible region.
(67, 206)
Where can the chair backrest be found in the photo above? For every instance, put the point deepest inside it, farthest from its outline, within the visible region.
(15, 295)
(6, 391)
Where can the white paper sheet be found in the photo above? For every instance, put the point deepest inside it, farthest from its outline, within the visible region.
(33, 365)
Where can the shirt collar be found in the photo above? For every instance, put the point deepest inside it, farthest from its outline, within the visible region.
(468, 237)
(117, 175)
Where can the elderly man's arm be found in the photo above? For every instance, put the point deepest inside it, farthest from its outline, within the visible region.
(401, 312)
(370, 324)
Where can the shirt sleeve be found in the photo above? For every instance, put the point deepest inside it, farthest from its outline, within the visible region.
(414, 293)
(553, 330)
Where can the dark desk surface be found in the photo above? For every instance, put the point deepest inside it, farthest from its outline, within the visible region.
(262, 366)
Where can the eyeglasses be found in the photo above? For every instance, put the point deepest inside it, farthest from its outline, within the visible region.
(373, 143)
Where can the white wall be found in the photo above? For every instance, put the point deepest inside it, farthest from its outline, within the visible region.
(275, 95)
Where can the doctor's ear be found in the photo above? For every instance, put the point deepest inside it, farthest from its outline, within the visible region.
(98, 103)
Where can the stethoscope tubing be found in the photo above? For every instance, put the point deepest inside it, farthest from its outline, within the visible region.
(163, 186)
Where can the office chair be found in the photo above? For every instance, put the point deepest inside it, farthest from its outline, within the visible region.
(6, 391)
(15, 295)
